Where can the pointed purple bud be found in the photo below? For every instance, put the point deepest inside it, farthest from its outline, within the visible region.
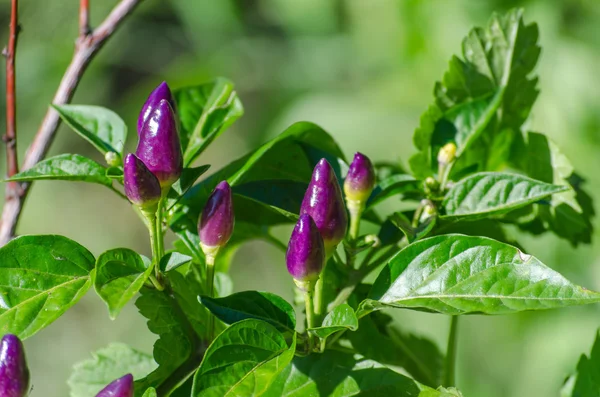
(14, 375)
(360, 180)
(217, 219)
(306, 252)
(122, 387)
(161, 92)
(141, 186)
(159, 146)
(323, 202)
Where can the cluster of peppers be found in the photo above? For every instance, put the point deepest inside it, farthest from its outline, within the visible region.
(148, 176)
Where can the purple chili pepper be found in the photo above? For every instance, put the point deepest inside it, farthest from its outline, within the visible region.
(216, 222)
(360, 180)
(122, 387)
(141, 186)
(306, 252)
(14, 374)
(158, 94)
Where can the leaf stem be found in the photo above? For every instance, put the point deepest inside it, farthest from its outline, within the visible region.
(450, 366)
(151, 221)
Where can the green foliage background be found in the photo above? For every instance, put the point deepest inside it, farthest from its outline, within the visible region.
(364, 71)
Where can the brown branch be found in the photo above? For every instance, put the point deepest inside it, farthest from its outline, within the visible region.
(85, 49)
(10, 138)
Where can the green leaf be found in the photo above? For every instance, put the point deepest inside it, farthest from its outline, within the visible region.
(340, 318)
(151, 392)
(412, 233)
(263, 306)
(586, 381)
(243, 360)
(186, 285)
(172, 260)
(41, 277)
(392, 186)
(110, 363)
(378, 341)
(205, 112)
(569, 214)
(120, 273)
(494, 193)
(456, 274)
(337, 374)
(483, 98)
(176, 342)
(290, 157)
(101, 127)
(188, 177)
(66, 167)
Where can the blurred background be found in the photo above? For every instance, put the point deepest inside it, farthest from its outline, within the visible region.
(363, 70)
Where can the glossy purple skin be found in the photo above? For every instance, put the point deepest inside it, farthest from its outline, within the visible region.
(122, 387)
(141, 186)
(159, 146)
(216, 222)
(161, 92)
(360, 180)
(14, 375)
(306, 252)
(323, 202)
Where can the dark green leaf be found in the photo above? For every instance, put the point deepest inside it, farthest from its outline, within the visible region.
(66, 167)
(101, 127)
(288, 156)
(176, 342)
(41, 277)
(115, 173)
(280, 197)
(205, 112)
(412, 233)
(494, 193)
(392, 186)
(243, 360)
(586, 381)
(188, 177)
(340, 318)
(172, 260)
(569, 213)
(253, 304)
(120, 273)
(420, 357)
(112, 362)
(456, 274)
(337, 374)
(186, 286)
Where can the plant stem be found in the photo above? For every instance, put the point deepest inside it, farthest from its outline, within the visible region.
(159, 230)
(150, 220)
(210, 286)
(449, 376)
(310, 317)
(319, 287)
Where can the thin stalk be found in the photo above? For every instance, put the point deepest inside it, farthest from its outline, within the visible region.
(210, 286)
(159, 228)
(450, 366)
(319, 303)
(151, 221)
(310, 317)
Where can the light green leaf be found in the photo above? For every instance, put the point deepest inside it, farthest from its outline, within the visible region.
(340, 318)
(120, 273)
(392, 186)
(101, 127)
(41, 277)
(263, 306)
(494, 193)
(66, 167)
(337, 374)
(110, 363)
(205, 112)
(188, 177)
(260, 353)
(456, 274)
(151, 392)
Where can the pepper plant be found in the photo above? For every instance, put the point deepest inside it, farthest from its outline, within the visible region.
(477, 170)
